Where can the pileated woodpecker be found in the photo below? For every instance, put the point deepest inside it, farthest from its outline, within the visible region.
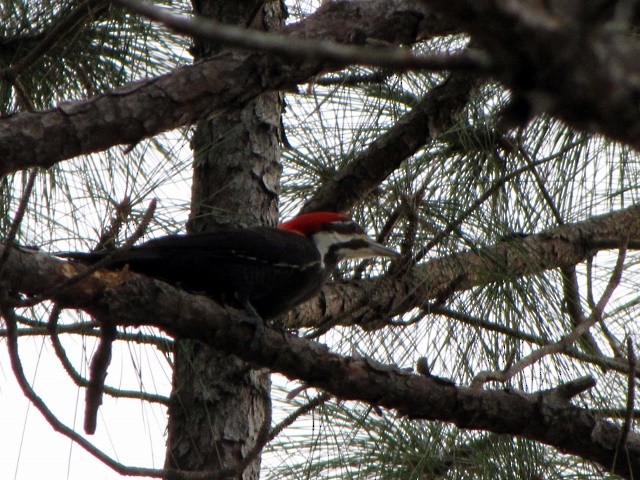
(266, 270)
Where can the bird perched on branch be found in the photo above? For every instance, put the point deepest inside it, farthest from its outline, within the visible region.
(265, 270)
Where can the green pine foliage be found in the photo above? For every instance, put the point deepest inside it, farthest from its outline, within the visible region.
(476, 181)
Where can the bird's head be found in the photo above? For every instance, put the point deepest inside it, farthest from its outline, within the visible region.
(336, 236)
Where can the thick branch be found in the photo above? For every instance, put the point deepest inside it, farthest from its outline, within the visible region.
(133, 300)
(574, 60)
(569, 244)
(291, 46)
(436, 112)
(369, 301)
(540, 417)
(145, 108)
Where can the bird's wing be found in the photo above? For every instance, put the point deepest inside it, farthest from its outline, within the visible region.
(250, 245)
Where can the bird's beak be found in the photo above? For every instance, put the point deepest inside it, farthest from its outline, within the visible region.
(377, 250)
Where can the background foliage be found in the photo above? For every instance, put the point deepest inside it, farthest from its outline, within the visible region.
(463, 181)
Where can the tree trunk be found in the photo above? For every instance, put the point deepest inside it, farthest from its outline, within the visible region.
(219, 403)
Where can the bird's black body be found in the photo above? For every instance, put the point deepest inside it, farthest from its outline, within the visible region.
(265, 270)
(272, 269)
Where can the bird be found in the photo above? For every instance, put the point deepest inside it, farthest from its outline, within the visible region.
(266, 271)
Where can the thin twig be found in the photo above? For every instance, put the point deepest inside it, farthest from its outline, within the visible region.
(53, 329)
(302, 410)
(433, 308)
(17, 219)
(614, 343)
(91, 329)
(574, 308)
(590, 298)
(497, 184)
(631, 389)
(396, 58)
(541, 185)
(562, 344)
(56, 424)
(104, 262)
(22, 94)
(615, 412)
(102, 356)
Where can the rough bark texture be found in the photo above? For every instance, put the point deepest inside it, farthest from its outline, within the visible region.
(225, 81)
(567, 57)
(218, 403)
(544, 416)
(436, 112)
(555, 58)
(577, 59)
(570, 244)
(134, 300)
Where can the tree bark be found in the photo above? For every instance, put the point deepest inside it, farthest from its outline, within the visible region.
(144, 108)
(133, 300)
(219, 403)
(577, 60)
(545, 416)
(35, 273)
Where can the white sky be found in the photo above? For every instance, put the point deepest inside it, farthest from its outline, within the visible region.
(127, 430)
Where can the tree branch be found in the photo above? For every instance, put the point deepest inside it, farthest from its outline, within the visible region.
(102, 263)
(398, 59)
(562, 246)
(574, 308)
(538, 417)
(36, 328)
(436, 112)
(145, 108)
(601, 361)
(571, 59)
(133, 300)
(17, 219)
(83, 382)
(56, 424)
(33, 273)
(566, 341)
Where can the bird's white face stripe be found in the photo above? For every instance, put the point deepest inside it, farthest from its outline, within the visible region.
(324, 240)
(261, 261)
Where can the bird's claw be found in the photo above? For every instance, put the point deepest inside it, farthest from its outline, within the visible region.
(253, 318)
(258, 340)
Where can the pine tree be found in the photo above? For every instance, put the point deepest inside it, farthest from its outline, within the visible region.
(492, 143)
